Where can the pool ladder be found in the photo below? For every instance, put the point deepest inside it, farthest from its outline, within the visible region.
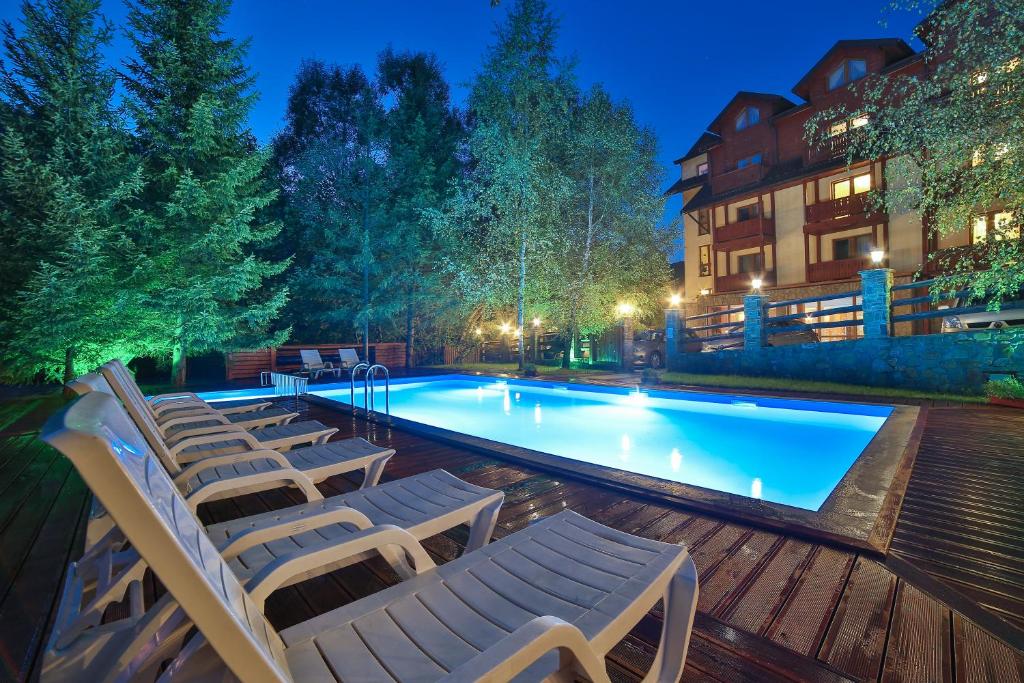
(369, 379)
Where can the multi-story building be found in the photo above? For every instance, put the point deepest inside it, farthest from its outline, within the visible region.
(761, 203)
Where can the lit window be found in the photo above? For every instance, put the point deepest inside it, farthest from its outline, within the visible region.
(979, 230)
(978, 158)
(847, 72)
(702, 169)
(841, 189)
(1000, 150)
(859, 121)
(1002, 222)
(1011, 65)
(748, 117)
(837, 129)
(862, 183)
(979, 77)
(858, 184)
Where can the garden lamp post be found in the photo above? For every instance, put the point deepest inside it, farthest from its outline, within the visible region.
(536, 328)
(877, 256)
(625, 311)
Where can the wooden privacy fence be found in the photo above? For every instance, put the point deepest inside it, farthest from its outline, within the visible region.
(249, 364)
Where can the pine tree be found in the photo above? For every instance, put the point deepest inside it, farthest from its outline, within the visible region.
(424, 135)
(189, 94)
(72, 292)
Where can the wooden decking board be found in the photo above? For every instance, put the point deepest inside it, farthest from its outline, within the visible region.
(920, 644)
(855, 642)
(793, 591)
(801, 623)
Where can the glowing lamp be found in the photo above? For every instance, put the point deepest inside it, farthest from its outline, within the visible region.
(877, 255)
(536, 322)
(675, 300)
(756, 284)
(625, 309)
(479, 331)
(505, 327)
(705, 291)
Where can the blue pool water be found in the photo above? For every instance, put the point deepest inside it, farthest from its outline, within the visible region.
(784, 451)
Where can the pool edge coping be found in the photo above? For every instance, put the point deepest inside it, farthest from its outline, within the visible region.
(860, 513)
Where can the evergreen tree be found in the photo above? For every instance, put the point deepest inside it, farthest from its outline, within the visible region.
(424, 135)
(330, 159)
(72, 292)
(189, 94)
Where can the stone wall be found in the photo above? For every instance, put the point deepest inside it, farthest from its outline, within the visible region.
(958, 362)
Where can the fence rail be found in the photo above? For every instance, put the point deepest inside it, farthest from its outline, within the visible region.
(701, 316)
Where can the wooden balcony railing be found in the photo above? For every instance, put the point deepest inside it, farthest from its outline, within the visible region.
(841, 269)
(741, 281)
(832, 209)
(759, 226)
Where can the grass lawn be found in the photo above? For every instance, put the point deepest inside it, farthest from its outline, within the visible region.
(781, 384)
(513, 368)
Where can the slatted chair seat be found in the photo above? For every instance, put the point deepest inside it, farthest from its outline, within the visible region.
(277, 438)
(224, 407)
(564, 584)
(253, 420)
(424, 505)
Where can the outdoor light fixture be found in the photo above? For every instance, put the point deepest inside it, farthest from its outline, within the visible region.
(479, 331)
(536, 322)
(705, 291)
(675, 300)
(877, 254)
(625, 309)
(505, 327)
(756, 283)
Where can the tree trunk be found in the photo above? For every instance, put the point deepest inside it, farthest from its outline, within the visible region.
(366, 273)
(69, 370)
(581, 283)
(520, 314)
(179, 363)
(410, 331)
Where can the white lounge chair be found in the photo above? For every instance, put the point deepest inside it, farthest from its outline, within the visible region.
(315, 365)
(187, 400)
(216, 435)
(348, 358)
(551, 599)
(257, 468)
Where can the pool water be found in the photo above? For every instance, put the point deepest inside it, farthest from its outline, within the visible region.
(783, 451)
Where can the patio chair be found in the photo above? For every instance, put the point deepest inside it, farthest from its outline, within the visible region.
(205, 478)
(187, 400)
(348, 358)
(315, 365)
(550, 599)
(216, 435)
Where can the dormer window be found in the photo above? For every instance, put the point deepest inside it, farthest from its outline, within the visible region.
(847, 72)
(748, 117)
(749, 161)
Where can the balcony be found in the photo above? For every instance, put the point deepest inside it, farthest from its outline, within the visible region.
(741, 281)
(842, 269)
(752, 229)
(953, 259)
(737, 177)
(839, 213)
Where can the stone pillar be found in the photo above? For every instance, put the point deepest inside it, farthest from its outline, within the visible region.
(876, 295)
(626, 361)
(674, 325)
(754, 334)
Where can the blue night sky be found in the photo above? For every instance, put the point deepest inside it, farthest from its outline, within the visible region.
(677, 62)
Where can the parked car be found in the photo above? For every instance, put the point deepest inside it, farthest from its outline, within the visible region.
(649, 346)
(1010, 314)
(778, 335)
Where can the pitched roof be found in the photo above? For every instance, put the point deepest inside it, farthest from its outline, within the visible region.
(778, 103)
(896, 48)
(706, 141)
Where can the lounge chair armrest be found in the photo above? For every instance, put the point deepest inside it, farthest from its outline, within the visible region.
(382, 538)
(182, 409)
(210, 416)
(175, 396)
(517, 651)
(226, 430)
(286, 476)
(245, 437)
(255, 536)
(230, 459)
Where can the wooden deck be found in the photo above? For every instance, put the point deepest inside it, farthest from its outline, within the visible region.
(772, 607)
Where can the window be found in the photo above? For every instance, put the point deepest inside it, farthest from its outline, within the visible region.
(851, 247)
(1002, 222)
(838, 129)
(703, 222)
(702, 169)
(853, 123)
(705, 260)
(847, 72)
(745, 213)
(748, 117)
(979, 230)
(749, 263)
(749, 161)
(859, 121)
(855, 185)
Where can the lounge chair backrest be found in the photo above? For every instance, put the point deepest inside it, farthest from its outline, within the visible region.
(98, 436)
(311, 359)
(348, 357)
(111, 382)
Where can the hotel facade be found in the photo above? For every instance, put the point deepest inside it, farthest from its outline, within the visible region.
(762, 203)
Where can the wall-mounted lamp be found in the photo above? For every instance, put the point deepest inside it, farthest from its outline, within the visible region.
(756, 284)
(705, 291)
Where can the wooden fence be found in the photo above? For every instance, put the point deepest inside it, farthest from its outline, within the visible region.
(249, 364)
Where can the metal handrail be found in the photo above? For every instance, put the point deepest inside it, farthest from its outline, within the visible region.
(352, 385)
(371, 377)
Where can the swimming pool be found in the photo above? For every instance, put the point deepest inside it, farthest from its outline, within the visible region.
(783, 451)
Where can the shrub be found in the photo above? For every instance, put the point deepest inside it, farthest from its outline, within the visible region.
(1010, 387)
(650, 376)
